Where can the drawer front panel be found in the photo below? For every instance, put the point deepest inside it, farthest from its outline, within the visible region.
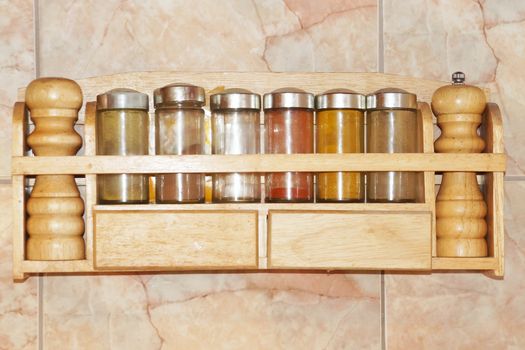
(175, 239)
(349, 240)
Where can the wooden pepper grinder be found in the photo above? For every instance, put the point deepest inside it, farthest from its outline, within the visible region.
(55, 225)
(460, 208)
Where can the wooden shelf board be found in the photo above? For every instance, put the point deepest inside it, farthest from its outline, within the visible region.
(411, 207)
(484, 162)
(464, 263)
(82, 266)
(33, 266)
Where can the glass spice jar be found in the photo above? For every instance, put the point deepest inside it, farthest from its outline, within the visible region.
(235, 130)
(122, 129)
(391, 128)
(289, 119)
(340, 129)
(179, 130)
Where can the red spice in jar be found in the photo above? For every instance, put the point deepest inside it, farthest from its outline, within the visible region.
(289, 125)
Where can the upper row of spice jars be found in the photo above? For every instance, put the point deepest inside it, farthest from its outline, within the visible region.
(122, 129)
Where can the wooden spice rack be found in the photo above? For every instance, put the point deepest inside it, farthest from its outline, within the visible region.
(261, 236)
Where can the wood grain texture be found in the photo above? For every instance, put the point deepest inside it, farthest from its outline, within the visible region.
(409, 207)
(259, 163)
(464, 263)
(349, 240)
(492, 131)
(55, 225)
(175, 239)
(460, 206)
(426, 131)
(91, 180)
(426, 162)
(258, 82)
(19, 148)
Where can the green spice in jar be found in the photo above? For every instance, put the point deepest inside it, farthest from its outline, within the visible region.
(122, 129)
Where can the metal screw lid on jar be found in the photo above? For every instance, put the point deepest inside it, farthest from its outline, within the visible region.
(180, 93)
(340, 99)
(235, 99)
(389, 98)
(288, 97)
(122, 98)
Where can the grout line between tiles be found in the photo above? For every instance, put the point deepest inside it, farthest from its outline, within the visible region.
(40, 281)
(381, 69)
(383, 313)
(40, 312)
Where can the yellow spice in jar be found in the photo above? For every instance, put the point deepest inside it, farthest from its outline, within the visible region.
(340, 131)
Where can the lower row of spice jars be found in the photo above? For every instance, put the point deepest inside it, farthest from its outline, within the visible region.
(122, 129)
(291, 187)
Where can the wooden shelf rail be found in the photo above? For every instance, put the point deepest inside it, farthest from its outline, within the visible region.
(484, 162)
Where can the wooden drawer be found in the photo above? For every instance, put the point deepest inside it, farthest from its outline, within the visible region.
(349, 240)
(171, 239)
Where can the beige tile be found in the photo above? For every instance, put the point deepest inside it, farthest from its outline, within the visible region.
(208, 36)
(485, 39)
(320, 47)
(16, 66)
(276, 17)
(155, 35)
(221, 311)
(464, 310)
(18, 301)
(310, 12)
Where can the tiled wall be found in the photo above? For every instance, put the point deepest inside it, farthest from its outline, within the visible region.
(429, 39)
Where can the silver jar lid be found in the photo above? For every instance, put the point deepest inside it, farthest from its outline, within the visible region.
(180, 93)
(288, 97)
(340, 99)
(391, 98)
(122, 98)
(235, 99)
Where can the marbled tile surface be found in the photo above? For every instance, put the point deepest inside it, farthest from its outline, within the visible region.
(485, 39)
(464, 310)
(219, 311)
(18, 301)
(234, 35)
(426, 38)
(16, 66)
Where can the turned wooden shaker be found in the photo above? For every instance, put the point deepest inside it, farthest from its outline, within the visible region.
(55, 225)
(460, 208)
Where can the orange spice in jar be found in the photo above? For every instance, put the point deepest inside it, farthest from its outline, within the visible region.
(340, 129)
(289, 119)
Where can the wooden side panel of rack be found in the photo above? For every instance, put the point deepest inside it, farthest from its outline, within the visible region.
(91, 179)
(19, 148)
(494, 184)
(172, 240)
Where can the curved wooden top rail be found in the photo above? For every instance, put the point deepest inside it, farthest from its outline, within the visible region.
(259, 82)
